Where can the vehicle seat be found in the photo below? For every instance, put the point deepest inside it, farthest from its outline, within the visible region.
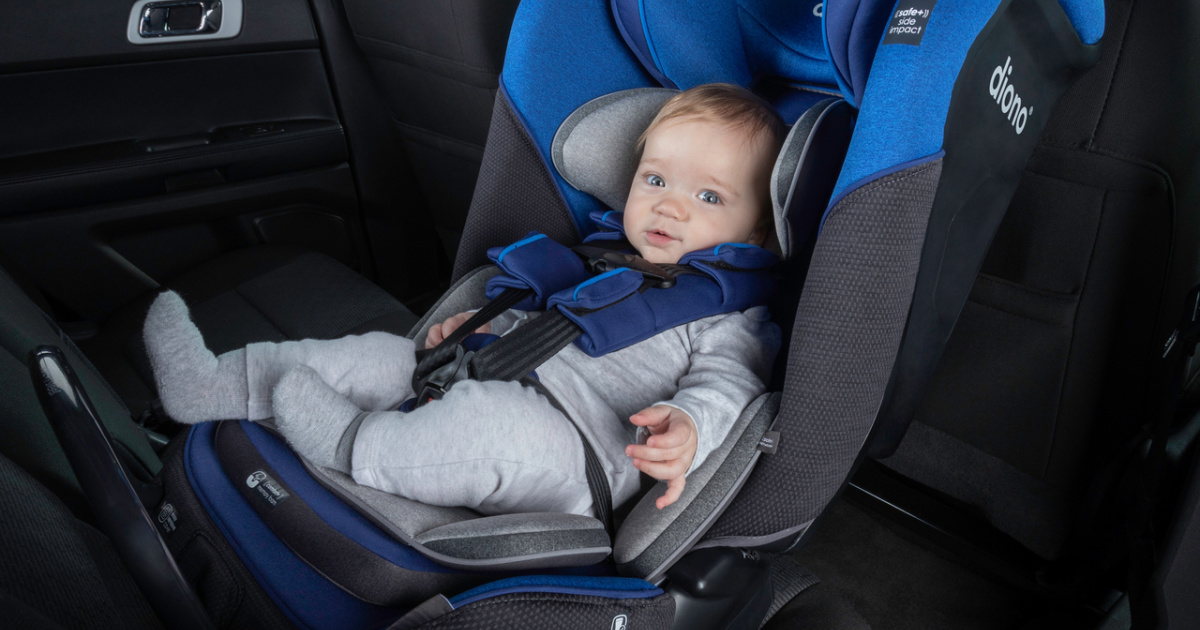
(1043, 388)
(436, 64)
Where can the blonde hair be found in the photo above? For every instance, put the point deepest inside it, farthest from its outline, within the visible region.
(725, 103)
(732, 105)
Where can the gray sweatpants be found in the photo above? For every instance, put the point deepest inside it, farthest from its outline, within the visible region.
(496, 447)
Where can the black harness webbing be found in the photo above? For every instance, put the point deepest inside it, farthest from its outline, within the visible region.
(592, 470)
(429, 361)
(515, 355)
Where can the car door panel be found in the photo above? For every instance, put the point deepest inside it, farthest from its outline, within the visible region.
(122, 165)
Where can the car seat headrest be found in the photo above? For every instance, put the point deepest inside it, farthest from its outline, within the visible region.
(685, 43)
(595, 151)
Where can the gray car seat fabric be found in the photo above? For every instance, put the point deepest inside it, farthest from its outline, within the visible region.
(512, 183)
(848, 326)
(437, 66)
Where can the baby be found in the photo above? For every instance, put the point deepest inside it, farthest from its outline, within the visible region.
(497, 446)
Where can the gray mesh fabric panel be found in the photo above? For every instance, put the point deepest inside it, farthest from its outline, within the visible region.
(459, 537)
(402, 518)
(514, 194)
(553, 611)
(849, 322)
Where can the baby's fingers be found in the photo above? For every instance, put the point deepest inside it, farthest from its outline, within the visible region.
(663, 471)
(656, 453)
(674, 491)
(435, 336)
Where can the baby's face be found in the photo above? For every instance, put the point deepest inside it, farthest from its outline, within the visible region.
(700, 183)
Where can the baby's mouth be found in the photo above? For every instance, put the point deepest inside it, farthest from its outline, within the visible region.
(659, 238)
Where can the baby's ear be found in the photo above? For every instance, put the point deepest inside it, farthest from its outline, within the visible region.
(764, 236)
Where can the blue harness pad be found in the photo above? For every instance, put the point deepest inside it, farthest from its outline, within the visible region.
(621, 307)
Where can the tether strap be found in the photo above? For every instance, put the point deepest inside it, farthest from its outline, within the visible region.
(596, 479)
(515, 355)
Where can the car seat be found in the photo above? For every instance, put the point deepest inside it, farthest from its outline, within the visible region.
(864, 270)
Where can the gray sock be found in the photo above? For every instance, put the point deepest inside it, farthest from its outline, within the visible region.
(317, 421)
(194, 384)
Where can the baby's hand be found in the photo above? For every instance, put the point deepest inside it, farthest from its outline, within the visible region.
(669, 452)
(438, 332)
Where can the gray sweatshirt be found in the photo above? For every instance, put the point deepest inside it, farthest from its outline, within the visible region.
(711, 369)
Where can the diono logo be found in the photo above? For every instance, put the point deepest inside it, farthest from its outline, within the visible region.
(1007, 97)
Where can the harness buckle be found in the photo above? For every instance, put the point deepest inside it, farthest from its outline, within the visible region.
(599, 260)
(443, 378)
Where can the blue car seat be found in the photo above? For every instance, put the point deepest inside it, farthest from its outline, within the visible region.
(948, 103)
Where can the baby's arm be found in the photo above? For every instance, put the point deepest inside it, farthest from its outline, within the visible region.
(438, 332)
(730, 362)
(667, 454)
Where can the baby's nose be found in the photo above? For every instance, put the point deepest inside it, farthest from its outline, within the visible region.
(671, 207)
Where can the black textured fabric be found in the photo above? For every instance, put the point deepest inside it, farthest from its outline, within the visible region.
(59, 568)
(1042, 381)
(341, 560)
(225, 587)
(25, 434)
(514, 194)
(788, 579)
(849, 321)
(553, 611)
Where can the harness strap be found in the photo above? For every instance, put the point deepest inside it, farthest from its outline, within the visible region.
(518, 353)
(592, 470)
(429, 361)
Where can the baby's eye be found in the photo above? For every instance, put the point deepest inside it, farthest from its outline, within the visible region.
(709, 196)
(655, 180)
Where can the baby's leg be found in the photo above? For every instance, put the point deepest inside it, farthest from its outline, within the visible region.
(492, 446)
(373, 370)
(194, 384)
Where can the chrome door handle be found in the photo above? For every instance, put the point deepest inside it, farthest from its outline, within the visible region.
(180, 17)
(162, 21)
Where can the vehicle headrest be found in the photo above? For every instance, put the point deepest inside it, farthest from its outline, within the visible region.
(595, 151)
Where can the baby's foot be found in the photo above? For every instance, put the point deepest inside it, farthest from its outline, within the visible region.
(194, 384)
(317, 421)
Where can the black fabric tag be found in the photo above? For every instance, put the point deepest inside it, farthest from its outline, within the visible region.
(269, 490)
(769, 442)
(167, 516)
(908, 23)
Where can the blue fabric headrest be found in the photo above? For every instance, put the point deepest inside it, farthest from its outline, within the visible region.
(685, 43)
(852, 32)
